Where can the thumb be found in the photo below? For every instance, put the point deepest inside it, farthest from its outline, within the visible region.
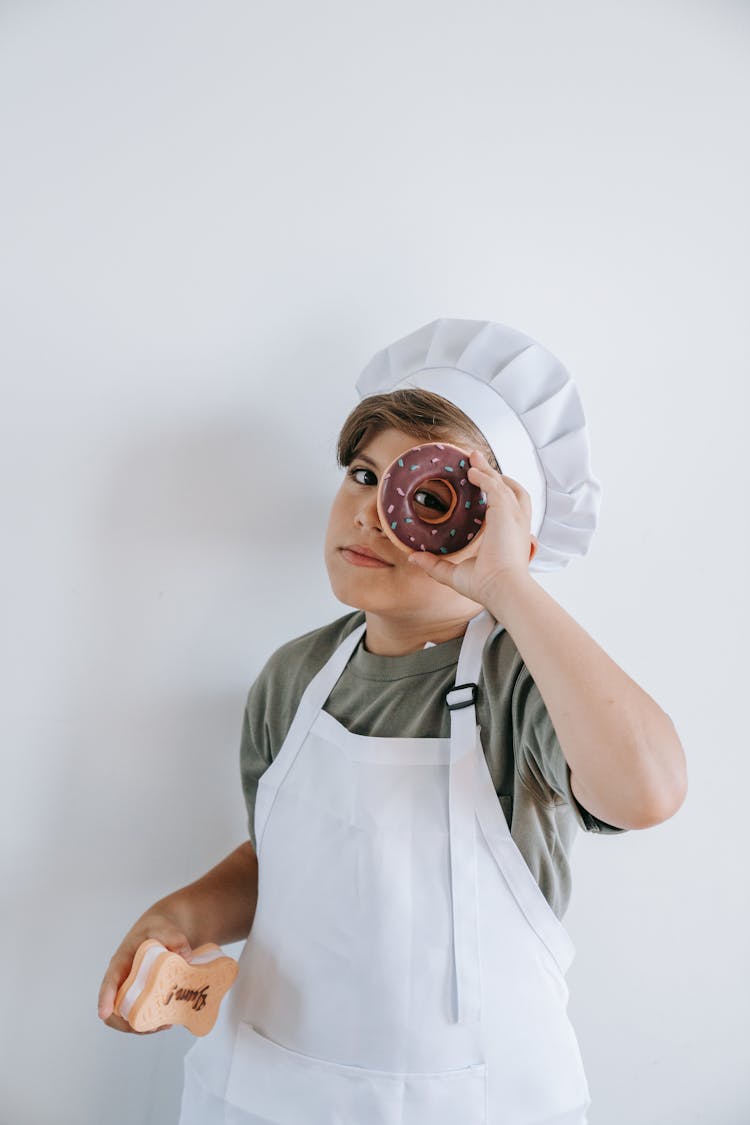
(171, 938)
(176, 942)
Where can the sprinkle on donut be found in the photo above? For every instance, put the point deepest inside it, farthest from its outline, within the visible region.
(426, 502)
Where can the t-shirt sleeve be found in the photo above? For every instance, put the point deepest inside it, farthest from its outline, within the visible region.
(539, 757)
(255, 747)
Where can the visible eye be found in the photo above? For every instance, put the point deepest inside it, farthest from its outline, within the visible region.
(430, 500)
(356, 475)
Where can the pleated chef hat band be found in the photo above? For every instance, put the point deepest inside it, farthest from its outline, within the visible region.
(528, 408)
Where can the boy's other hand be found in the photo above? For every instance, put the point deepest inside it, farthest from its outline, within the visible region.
(152, 924)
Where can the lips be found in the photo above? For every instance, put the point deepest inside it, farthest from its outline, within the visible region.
(363, 556)
(363, 551)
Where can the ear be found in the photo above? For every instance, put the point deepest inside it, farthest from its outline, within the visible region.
(534, 545)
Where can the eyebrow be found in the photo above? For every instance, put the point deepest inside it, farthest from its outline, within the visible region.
(364, 457)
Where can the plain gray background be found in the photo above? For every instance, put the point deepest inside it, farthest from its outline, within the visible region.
(212, 216)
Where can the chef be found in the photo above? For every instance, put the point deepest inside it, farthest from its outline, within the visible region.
(405, 964)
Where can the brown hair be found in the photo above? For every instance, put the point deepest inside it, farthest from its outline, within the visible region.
(422, 414)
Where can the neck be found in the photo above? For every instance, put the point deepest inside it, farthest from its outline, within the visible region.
(387, 636)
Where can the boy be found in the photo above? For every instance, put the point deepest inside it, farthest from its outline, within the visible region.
(407, 868)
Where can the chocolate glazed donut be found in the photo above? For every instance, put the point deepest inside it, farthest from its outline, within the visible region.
(426, 502)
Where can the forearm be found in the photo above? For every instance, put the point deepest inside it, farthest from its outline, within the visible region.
(627, 763)
(220, 906)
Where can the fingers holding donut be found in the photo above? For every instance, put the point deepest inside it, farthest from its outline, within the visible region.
(501, 489)
(484, 476)
(503, 550)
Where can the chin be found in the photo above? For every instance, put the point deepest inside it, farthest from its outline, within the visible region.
(356, 595)
(357, 599)
(346, 592)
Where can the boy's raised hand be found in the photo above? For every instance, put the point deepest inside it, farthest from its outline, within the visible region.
(152, 924)
(503, 550)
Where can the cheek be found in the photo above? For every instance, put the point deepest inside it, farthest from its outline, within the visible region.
(334, 519)
(331, 542)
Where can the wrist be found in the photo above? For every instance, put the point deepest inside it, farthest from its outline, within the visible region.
(508, 594)
(176, 909)
(219, 906)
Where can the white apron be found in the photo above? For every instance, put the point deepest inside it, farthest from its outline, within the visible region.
(403, 966)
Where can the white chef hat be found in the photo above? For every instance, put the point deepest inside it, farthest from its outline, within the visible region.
(526, 405)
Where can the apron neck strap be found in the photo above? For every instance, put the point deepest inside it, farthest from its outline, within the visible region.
(461, 804)
(461, 698)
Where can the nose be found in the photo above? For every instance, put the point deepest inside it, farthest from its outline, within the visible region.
(366, 515)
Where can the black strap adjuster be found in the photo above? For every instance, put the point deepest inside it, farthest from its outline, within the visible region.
(463, 702)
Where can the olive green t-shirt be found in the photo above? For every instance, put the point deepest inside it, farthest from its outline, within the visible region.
(404, 697)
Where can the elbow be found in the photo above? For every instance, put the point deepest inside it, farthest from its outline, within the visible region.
(659, 811)
(668, 807)
(669, 796)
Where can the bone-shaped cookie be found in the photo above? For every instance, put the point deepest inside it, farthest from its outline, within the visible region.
(163, 988)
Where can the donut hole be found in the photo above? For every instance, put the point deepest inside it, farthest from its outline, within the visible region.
(434, 500)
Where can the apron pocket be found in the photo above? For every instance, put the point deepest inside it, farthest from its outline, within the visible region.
(286, 1088)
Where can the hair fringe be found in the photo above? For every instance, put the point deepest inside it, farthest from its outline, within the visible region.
(421, 414)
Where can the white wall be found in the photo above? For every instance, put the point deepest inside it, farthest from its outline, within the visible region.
(213, 215)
